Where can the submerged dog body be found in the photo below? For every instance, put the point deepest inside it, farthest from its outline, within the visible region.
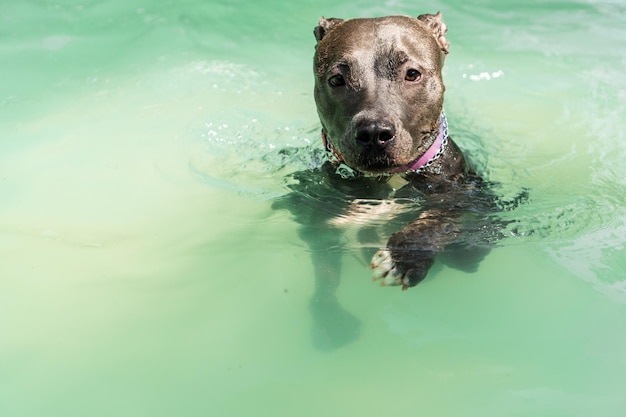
(379, 96)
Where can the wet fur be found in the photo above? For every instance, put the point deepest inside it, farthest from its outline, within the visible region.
(451, 198)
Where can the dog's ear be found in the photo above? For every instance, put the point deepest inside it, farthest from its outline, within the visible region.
(324, 26)
(438, 28)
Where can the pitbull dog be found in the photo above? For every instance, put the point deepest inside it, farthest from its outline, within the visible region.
(379, 96)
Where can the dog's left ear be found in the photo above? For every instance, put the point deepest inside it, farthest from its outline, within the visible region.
(438, 28)
(324, 26)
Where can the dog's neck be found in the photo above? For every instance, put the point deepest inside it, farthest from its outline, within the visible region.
(419, 165)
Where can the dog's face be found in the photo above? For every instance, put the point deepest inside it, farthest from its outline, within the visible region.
(378, 88)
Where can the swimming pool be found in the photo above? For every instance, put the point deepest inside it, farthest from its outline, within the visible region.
(144, 272)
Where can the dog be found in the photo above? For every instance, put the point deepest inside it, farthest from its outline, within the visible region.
(379, 94)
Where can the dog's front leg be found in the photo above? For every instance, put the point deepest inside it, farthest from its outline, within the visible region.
(333, 326)
(411, 252)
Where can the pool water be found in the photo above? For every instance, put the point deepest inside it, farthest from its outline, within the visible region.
(143, 271)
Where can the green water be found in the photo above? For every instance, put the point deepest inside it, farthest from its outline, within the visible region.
(143, 273)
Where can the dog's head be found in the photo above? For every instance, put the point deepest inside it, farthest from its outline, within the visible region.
(378, 88)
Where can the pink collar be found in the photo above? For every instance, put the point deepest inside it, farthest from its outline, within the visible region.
(430, 155)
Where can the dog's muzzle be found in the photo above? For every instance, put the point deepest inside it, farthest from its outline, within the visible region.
(379, 134)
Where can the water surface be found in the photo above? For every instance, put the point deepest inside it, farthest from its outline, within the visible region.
(144, 273)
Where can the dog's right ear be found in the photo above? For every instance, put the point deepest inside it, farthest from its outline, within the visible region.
(324, 26)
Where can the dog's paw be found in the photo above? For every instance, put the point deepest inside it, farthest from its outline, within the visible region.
(387, 271)
(401, 266)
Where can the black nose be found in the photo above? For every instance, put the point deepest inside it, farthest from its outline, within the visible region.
(376, 133)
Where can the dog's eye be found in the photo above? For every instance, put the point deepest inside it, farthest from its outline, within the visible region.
(336, 81)
(412, 75)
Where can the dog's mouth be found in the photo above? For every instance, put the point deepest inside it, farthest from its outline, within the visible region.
(383, 165)
(375, 163)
